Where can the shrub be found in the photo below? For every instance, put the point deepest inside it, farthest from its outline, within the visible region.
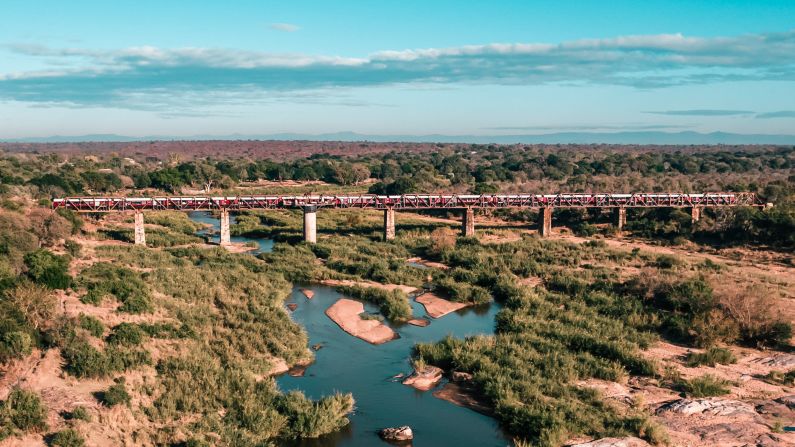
(442, 238)
(35, 302)
(394, 305)
(127, 334)
(48, 269)
(753, 309)
(22, 410)
(781, 377)
(92, 325)
(73, 248)
(83, 360)
(15, 344)
(711, 357)
(80, 414)
(706, 386)
(667, 262)
(104, 279)
(67, 438)
(115, 394)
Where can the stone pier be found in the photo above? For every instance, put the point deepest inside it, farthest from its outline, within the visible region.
(545, 221)
(140, 233)
(621, 218)
(225, 239)
(468, 224)
(389, 224)
(695, 214)
(310, 224)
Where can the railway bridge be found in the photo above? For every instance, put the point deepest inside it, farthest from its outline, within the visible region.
(310, 204)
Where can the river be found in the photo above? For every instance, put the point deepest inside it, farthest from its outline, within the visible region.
(349, 364)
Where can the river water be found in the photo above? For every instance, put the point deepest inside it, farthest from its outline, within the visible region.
(348, 364)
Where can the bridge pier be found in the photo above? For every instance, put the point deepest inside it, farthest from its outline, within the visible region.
(545, 221)
(621, 218)
(310, 224)
(695, 214)
(225, 239)
(468, 223)
(140, 233)
(389, 224)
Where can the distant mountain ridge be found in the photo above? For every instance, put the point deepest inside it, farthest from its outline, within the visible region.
(639, 137)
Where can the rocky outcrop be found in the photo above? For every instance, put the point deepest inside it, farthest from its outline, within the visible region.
(421, 322)
(425, 379)
(614, 442)
(292, 306)
(396, 434)
(710, 406)
(779, 361)
(459, 376)
(308, 293)
(787, 400)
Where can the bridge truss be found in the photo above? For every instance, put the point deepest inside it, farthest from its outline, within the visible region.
(407, 201)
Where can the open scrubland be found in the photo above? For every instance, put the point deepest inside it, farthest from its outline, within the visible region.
(677, 333)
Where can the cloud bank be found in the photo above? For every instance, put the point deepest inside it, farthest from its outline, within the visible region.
(135, 77)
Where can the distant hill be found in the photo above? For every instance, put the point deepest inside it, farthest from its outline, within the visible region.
(645, 137)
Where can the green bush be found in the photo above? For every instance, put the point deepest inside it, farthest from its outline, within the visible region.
(22, 411)
(394, 305)
(103, 279)
(116, 394)
(706, 386)
(127, 334)
(711, 357)
(92, 325)
(73, 248)
(83, 360)
(80, 414)
(781, 377)
(48, 269)
(67, 438)
(15, 344)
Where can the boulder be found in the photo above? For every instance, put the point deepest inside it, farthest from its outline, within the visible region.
(292, 306)
(459, 376)
(425, 379)
(308, 293)
(711, 406)
(398, 434)
(614, 442)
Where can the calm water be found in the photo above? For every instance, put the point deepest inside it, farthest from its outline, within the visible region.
(348, 364)
(204, 217)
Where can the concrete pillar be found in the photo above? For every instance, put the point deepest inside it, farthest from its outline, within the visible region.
(310, 224)
(545, 221)
(389, 224)
(468, 224)
(225, 239)
(140, 234)
(621, 216)
(695, 214)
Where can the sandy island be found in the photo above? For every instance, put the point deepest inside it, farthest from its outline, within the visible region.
(350, 283)
(346, 312)
(426, 263)
(438, 307)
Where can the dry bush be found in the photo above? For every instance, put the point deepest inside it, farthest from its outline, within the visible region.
(36, 302)
(754, 309)
(442, 238)
(49, 226)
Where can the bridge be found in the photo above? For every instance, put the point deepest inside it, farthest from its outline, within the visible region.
(389, 203)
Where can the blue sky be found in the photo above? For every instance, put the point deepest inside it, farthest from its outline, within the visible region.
(144, 68)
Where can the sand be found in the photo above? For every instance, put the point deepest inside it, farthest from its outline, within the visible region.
(438, 307)
(346, 312)
(350, 283)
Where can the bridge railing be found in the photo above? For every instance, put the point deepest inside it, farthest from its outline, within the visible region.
(408, 201)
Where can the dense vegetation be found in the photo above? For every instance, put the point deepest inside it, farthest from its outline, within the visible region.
(190, 317)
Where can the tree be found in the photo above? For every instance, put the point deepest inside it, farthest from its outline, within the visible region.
(360, 172)
(442, 238)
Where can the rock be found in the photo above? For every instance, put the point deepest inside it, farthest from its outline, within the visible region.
(459, 376)
(787, 400)
(425, 379)
(317, 347)
(712, 406)
(775, 409)
(308, 293)
(614, 442)
(403, 433)
(421, 322)
(292, 306)
(780, 361)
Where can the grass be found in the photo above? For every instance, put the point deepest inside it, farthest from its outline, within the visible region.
(710, 357)
(706, 386)
(67, 438)
(394, 305)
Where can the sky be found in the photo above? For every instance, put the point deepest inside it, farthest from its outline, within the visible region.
(179, 68)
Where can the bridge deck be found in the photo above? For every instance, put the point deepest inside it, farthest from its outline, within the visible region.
(407, 201)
